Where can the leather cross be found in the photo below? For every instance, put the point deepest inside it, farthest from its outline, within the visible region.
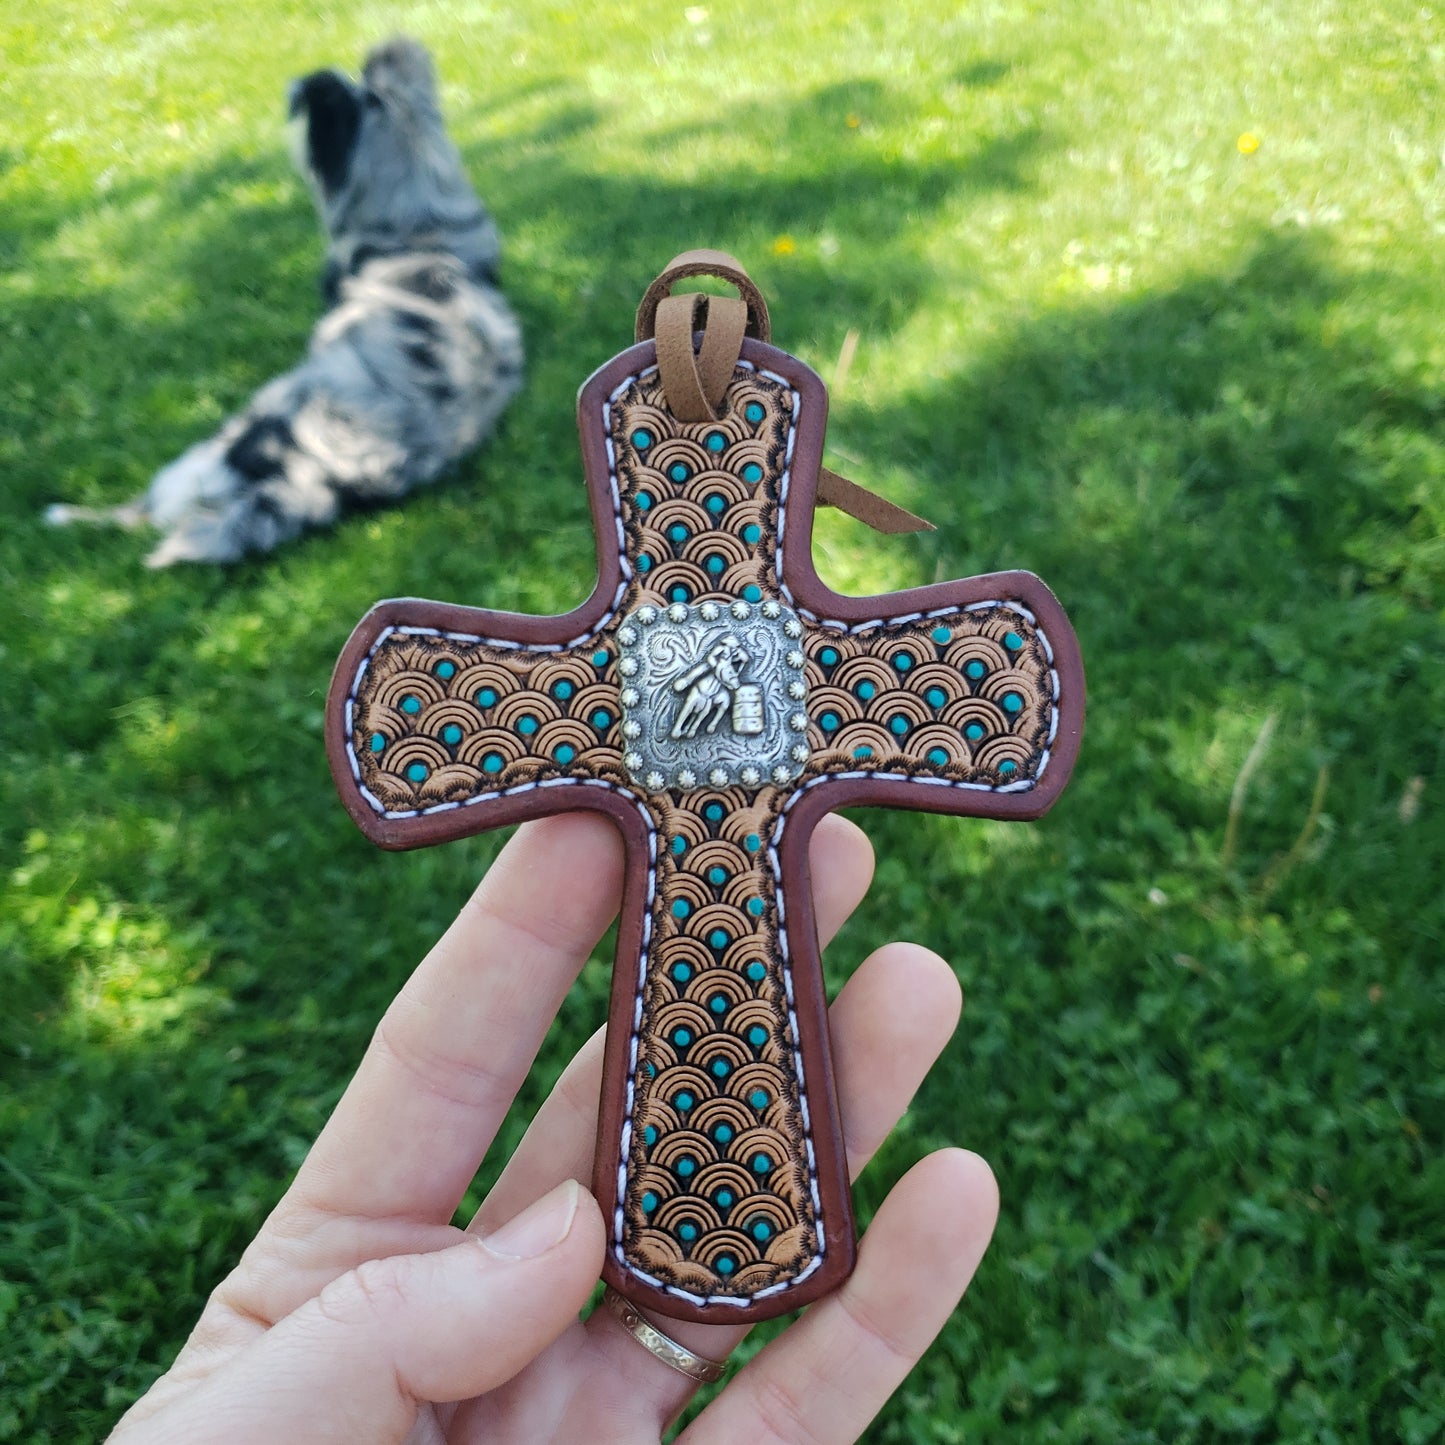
(715, 700)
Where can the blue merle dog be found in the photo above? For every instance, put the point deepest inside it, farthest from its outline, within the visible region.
(410, 367)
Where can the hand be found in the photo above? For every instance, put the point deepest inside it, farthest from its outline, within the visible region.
(361, 1314)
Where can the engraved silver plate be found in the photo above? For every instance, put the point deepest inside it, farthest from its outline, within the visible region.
(718, 696)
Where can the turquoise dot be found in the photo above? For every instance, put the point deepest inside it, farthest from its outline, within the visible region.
(715, 565)
(758, 1099)
(679, 472)
(717, 504)
(754, 412)
(1012, 702)
(975, 670)
(651, 1070)
(755, 907)
(679, 847)
(761, 1230)
(1012, 641)
(756, 971)
(641, 439)
(716, 441)
(973, 732)
(723, 1133)
(751, 533)
(562, 690)
(1007, 766)
(682, 972)
(941, 634)
(411, 704)
(828, 656)
(492, 763)
(527, 725)
(644, 562)
(724, 1198)
(649, 1134)
(686, 1166)
(935, 697)
(683, 1101)
(451, 735)
(679, 593)
(678, 532)
(861, 753)
(644, 501)
(649, 1202)
(717, 939)
(681, 908)
(937, 757)
(717, 876)
(752, 473)
(601, 719)
(718, 1003)
(761, 1163)
(721, 1068)
(726, 1264)
(867, 691)
(829, 721)
(753, 593)
(417, 772)
(757, 1036)
(565, 753)
(687, 1233)
(898, 725)
(902, 661)
(377, 742)
(713, 812)
(681, 1038)
(487, 697)
(599, 658)
(445, 670)
(752, 842)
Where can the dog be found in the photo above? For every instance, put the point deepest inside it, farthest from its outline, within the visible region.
(409, 369)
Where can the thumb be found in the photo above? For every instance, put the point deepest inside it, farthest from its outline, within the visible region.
(354, 1364)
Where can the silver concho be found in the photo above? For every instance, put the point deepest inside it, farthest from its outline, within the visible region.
(717, 696)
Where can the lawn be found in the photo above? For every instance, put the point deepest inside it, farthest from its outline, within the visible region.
(1147, 301)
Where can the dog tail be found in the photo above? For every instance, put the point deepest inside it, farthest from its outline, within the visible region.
(129, 515)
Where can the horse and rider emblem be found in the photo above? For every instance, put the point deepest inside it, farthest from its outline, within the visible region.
(713, 695)
(714, 689)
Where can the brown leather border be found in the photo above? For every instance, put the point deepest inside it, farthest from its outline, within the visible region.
(810, 593)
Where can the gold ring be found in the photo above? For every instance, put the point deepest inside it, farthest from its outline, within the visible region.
(705, 1372)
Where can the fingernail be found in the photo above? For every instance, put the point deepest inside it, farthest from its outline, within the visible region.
(537, 1228)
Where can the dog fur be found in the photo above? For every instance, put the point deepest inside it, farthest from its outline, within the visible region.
(409, 369)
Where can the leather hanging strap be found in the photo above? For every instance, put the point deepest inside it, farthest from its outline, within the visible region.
(868, 507)
(704, 263)
(695, 381)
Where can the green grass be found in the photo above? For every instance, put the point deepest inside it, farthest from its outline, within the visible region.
(1201, 392)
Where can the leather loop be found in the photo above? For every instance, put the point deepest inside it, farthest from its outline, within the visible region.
(695, 382)
(722, 339)
(704, 263)
(677, 318)
(868, 507)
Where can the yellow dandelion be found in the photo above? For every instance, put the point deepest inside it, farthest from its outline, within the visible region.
(784, 246)
(853, 122)
(1247, 144)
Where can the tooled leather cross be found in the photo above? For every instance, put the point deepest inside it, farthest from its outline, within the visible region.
(715, 700)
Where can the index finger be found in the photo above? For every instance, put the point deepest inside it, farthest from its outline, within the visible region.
(454, 1047)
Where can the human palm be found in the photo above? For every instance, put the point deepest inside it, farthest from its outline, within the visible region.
(359, 1314)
